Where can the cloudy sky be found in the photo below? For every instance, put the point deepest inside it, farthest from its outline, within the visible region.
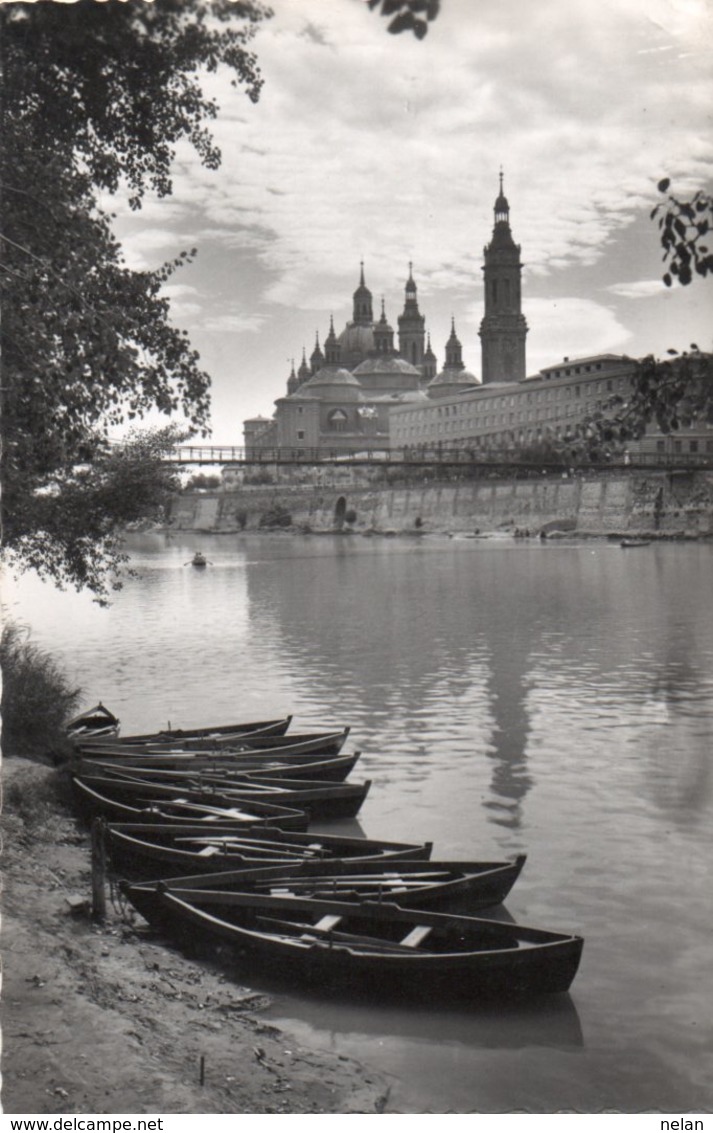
(367, 146)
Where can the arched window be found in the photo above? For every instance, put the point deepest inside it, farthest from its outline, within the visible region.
(337, 421)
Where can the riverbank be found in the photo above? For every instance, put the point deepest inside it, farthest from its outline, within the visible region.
(112, 1018)
(631, 504)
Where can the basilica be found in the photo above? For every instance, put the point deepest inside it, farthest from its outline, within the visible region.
(343, 398)
(362, 393)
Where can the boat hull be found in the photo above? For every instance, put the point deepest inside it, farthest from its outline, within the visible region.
(149, 850)
(477, 959)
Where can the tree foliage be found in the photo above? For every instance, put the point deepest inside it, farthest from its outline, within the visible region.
(407, 15)
(70, 530)
(96, 96)
(667, 394)
(37, 698)
(686, 228)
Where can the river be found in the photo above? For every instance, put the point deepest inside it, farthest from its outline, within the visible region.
(508, 696)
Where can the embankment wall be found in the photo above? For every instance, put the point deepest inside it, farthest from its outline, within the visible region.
(629, 502)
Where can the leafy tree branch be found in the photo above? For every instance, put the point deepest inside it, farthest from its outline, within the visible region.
(96, 96)
(686, 229)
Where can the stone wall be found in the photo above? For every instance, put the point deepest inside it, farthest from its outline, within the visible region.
(663, 503)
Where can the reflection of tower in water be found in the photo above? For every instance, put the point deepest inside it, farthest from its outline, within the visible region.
(506, 687)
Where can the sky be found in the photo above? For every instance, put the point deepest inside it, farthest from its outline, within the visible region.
(385, 149)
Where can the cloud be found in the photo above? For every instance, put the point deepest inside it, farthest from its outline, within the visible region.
(350, 149)
(571, 327)
(148, 248)
(638, 289)
(234, 324)
(369, 146)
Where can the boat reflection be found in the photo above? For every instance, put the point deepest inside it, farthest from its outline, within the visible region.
(551, 1021)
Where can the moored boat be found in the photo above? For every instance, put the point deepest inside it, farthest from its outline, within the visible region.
(380, 946)
(167, 848)
(319, 800)
(458, 886)
(178, 809)
(334, 768)
(276, 727)
(96, 723)
(311, 743)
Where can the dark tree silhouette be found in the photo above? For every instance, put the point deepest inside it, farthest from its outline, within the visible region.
(407, 15)
(685, 230)
(96, 95)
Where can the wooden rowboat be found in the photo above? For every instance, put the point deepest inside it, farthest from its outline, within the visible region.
(182, 810)
(462, 887)
(95, 723)
(276, 727)
(333, 768)
(380, 946)
(319, 800)
(312, 743)
(149, 849)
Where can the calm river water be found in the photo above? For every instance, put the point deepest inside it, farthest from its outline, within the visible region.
(508, 696)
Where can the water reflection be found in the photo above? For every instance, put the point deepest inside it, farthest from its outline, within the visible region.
(548, 699)
(550, 1022)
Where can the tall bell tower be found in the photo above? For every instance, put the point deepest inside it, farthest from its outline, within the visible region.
(503, 329)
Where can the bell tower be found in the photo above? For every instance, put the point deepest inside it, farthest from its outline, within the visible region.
(412, 334)
(503, 329)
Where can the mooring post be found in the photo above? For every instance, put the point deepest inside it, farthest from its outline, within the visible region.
(98, 870)
(202, 1071)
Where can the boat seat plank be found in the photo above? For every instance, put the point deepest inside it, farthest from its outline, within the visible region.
(416, 936)
(312, 933)
(328, 922)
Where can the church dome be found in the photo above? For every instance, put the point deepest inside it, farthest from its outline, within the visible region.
(337, 384)
(450, 382)
(356, 338)
(385, 364)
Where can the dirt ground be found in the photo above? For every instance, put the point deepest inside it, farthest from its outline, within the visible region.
(111, 1019)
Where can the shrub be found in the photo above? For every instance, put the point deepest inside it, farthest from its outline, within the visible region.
(202, 481)
(350, 516)
(37, 699)
(276, 516)
(39, 802)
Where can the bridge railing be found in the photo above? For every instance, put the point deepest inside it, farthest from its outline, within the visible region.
(234, 454)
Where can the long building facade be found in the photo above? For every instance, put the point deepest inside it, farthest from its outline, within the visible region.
(363, 393)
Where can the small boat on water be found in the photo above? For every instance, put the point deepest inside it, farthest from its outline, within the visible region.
(96, 723)
(332, 768)
(150, 848)
(378, 945)
(628, 543)
(321, 800)
(199, 560)
(179, 809)
(463, 887)
(276, 727)
(313, 743)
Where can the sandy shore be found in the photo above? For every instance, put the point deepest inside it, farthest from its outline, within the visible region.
(111, 1018)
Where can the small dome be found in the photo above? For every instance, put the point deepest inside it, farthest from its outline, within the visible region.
(385, 364)
(338, 384)
(451, 382)
(411, 395)
(356, 338)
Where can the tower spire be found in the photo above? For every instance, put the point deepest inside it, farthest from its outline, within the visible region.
(411, 325)
(363, 311)
(503, 329)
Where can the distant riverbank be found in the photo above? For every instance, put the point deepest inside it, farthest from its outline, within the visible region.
(622, 504)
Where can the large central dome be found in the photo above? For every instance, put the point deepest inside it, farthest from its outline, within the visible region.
(355, 342)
